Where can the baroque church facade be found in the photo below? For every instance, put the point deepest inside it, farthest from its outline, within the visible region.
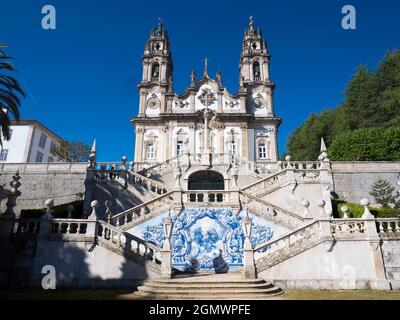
(206, 118)
(205, 194)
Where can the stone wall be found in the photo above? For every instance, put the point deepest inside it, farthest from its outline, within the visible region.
(80, 264)
(348, 265)
(391, 258)
(64, 182)
(353, 180)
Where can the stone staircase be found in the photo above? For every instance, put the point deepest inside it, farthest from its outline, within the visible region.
(227, 286)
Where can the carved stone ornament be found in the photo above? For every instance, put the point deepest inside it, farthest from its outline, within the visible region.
(232, 104)
(207, 97)
(181, 104)
(153, 102)
(260, 102)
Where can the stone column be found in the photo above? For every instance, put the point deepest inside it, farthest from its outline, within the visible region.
(242, 99)
(249, 269)
(139, 145)
(244, 141)
(91, 229)
(274, 144)
(45, 220)
(142, 103)
(380, 282)
(165, 132)
(7, 219)
(221, 138)
(166, 253)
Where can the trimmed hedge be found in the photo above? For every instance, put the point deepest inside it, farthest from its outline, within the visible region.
(356, 210)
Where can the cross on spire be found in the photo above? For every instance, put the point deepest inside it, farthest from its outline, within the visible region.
(206, 67)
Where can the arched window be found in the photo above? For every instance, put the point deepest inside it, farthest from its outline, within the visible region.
(256, 70)
(155, 71)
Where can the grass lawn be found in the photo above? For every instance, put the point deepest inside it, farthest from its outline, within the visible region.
(112, 294)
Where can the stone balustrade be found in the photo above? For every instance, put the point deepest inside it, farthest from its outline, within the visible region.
(266, 184)
(119, 171)
(127, 243)
(272, 212)
(347, 227)
(388, 226)
(147, 183)
(28, 226)
(287, 240)
(321, 230)
(145, 210)
(70, 226)
(210, 196)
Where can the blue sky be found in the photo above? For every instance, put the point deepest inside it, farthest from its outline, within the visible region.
(81, 78)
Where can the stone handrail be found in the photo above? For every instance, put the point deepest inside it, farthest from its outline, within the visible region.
(149, 184)
(299, 240)
(70, 226)
(124, 174)
(268, 183)
(388, 226)
(109, 166)
(289, 238)
(28, 226)
(290, 218)
(210, 196)
(144, 210)
(127, 243)
(157, 167)
(303, 165)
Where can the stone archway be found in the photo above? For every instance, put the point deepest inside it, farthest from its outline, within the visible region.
(206, 180)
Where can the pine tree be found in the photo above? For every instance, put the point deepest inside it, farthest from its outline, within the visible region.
(382, 192)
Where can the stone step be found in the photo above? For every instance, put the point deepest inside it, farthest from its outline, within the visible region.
(214, 286)
(208, 286)
(211, 292)
(194, 297)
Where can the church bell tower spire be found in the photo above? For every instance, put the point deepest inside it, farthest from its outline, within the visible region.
(157, 57)
(254, 59)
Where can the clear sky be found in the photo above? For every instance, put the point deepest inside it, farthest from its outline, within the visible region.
(81, 78)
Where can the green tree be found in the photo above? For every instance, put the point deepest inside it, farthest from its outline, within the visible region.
(75, 151)
(382, 192)
(370, 144)
(10, 94)
(371, 99)
(360, 100)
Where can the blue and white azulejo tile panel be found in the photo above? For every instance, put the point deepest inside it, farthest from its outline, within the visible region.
(207, 239)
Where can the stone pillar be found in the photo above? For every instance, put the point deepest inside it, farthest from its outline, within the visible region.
(221, 138)
(274, 145)
(249, 269)
(7, 219)
(45, 220)
(142, 103)
(380, 282)
(242, 100)
(166, 253)
(139, 145)
(91, 230)
(244, 141)
(290, 172)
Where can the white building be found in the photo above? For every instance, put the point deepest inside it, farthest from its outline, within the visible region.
(206, 117)
(30, 141)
